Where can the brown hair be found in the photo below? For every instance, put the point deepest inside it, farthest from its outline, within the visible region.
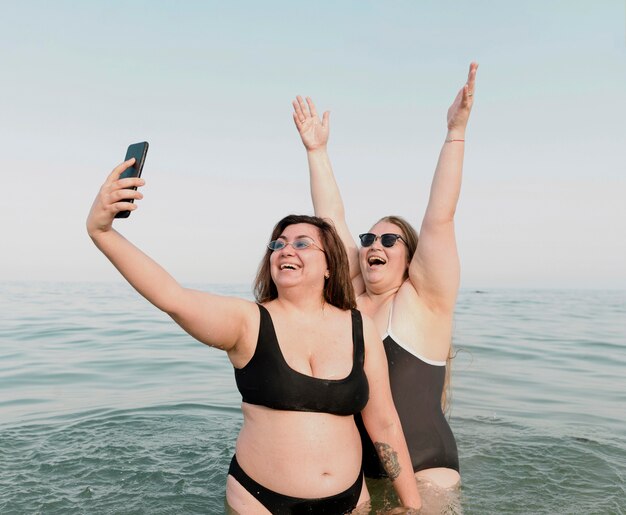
(410, 234)
(338, 289)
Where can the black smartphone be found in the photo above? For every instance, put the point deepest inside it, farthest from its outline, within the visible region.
(138, 151)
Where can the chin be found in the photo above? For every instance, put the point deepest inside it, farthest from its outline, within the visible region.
(374, 276)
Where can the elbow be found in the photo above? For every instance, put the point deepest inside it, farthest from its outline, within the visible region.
(384, 426)
(171, 302)
(333, 215)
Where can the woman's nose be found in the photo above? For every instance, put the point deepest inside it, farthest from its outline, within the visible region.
(287, 250)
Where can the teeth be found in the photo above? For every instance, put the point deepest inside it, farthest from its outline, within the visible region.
(287, 266)
(376, 260)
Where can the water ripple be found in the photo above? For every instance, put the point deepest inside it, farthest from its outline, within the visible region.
(145, 461)
(107, 407)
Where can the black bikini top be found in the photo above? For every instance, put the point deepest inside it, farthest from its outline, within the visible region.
(268, 380)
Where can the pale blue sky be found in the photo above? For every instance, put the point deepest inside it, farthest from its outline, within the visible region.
(210, 84)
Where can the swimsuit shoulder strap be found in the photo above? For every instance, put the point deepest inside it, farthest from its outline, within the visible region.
(358, 344)
(267, 341)
(390, 315)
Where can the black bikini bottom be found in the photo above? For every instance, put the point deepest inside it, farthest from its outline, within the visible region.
(279, 504)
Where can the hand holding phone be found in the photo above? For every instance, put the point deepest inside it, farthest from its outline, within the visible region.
(138, 151)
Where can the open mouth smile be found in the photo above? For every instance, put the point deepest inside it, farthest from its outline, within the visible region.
(376, 261)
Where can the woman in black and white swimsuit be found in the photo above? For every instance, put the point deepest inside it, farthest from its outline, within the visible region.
(408, 288)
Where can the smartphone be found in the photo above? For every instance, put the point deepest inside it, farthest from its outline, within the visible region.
(138, 151)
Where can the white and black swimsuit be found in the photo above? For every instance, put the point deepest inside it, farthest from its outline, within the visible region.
(416, 385)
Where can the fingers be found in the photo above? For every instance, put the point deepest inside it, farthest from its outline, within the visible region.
(130, 182)
(311, 107)
(471, 77)
(313, 131)
(124, 194)
(117, 171)
(467, 96)
(303, 111)
(117, 190)
(122, 199)
(122, 206)
(115, 195)
(298, 115)
(296, 120)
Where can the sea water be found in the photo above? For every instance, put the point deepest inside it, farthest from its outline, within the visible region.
(106, 406)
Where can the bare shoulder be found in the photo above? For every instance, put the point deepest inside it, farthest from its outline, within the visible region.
(421, 329)
(250, 320)
(371, 336)
(369, 327)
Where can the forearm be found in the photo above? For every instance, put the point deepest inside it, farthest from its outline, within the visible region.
(382, 422)
(434, 270)
(327, 202)
(325, 193)
(142, 272)
(446, 185)
(395, 459)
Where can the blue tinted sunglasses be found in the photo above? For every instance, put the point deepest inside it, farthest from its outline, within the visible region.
(295, 244)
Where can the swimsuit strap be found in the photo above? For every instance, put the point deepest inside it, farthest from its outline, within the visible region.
(390, 315)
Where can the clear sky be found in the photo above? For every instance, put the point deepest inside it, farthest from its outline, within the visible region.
(209, 84)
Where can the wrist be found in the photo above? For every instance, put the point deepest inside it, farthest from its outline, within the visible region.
(455, 134)
(317, 150)
(97, 233)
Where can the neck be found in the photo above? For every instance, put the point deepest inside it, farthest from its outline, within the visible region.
(379, 297)
(298, 300)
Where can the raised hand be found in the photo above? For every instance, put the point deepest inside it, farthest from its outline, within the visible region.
(459, 111)
(111, 199)
(313, 131)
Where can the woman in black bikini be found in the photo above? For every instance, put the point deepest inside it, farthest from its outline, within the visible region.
(408, 289)
(305, 362)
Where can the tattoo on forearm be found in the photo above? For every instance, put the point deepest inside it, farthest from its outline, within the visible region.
(389, 459)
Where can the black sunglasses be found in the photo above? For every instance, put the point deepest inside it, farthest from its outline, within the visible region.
(387, 239)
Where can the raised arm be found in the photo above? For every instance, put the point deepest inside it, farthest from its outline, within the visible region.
(201, 314)
(435, 270)
(382, 422)
(327, 201)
